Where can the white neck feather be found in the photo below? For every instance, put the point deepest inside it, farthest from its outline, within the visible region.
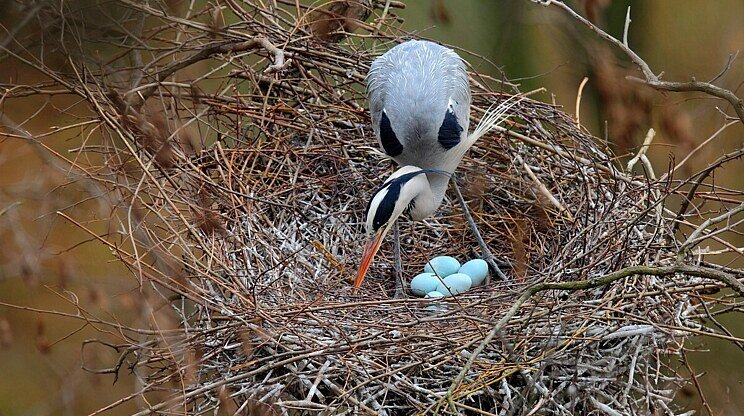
(429, 195)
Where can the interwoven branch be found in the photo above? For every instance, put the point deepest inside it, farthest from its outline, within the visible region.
(236, 199)
(700, 271)
(206, 53)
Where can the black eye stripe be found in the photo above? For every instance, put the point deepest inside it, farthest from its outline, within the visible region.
(387, 205)
(449, 132)
(389, 140)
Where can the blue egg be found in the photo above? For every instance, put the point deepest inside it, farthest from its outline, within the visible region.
(477, 269)
(433, 295)
(455, 284)
(424, 283)
(444, 266)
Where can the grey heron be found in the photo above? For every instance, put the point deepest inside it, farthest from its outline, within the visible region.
(419, 99)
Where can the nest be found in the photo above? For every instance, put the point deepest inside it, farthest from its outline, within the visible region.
(241, 196)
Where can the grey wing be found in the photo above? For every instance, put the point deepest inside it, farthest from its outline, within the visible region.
(459, 87)
(410, 88)
(378, 86)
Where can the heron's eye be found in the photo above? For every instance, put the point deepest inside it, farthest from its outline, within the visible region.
(389, 140)
(449, 132)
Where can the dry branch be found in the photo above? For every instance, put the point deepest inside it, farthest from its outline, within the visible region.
(650, 78)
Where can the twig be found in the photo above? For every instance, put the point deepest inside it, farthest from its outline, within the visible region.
(699, 271)
(626, 28)
(544, 190)
(220, 48)
(578, 100)
(9, 207)
(695, 150)
(651, 79)
(696, 382)
(642, 151)
(697, 179)
(695, 237)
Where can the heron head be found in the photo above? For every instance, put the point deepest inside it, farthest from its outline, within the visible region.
(401, 192)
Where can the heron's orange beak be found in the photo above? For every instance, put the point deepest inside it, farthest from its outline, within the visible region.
(370, 249)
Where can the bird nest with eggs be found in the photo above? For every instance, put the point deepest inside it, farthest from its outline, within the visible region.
(242, 188)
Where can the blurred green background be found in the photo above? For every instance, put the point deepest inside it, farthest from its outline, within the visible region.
(45, 262)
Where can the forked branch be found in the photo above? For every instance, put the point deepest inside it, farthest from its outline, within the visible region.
(209, 51)
(651, 79)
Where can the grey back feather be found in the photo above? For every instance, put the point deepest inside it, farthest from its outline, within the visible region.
(415, 83)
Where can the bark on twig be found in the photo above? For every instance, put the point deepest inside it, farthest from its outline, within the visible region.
(650, 78)
(136, 100)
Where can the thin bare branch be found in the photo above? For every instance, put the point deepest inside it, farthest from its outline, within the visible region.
(650, 78)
